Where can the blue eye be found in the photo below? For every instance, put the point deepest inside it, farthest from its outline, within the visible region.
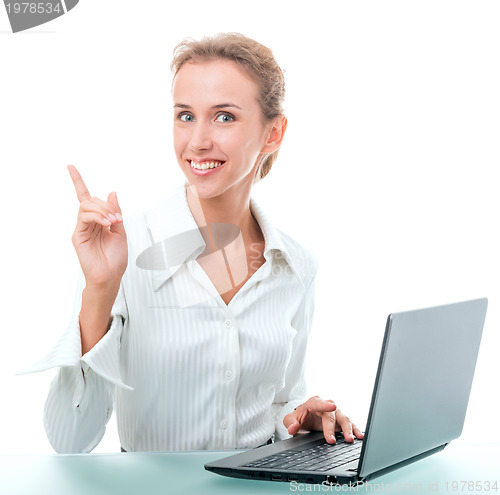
(225, 117)
(186, 117)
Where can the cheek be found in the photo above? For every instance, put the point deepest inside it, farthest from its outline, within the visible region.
(241, 143)
(252, 147)
(181, 139)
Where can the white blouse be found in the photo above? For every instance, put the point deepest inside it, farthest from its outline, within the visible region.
(183, 370)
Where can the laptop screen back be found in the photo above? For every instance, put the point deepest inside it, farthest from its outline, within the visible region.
(423, 382)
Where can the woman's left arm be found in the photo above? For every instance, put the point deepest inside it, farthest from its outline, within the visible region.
(294, 390)
(292, 412)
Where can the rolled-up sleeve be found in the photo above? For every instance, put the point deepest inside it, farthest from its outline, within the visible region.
(294, 392)
(80, 399)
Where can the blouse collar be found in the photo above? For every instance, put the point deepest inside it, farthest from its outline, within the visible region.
(175, 238)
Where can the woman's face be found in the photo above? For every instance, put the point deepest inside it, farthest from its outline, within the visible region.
(219, 132)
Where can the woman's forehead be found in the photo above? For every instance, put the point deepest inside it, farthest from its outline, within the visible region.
(213, 83)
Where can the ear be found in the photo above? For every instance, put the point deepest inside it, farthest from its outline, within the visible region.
(275, 134)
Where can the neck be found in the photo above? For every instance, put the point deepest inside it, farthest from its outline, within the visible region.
(232, 206)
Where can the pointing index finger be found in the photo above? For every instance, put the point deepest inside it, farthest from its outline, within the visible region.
(81, 189)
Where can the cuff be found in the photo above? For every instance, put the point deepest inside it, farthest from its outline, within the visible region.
(281, 410)
(103, 358)
(66, 352)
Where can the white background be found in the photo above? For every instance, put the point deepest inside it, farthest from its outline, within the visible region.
(387, 172)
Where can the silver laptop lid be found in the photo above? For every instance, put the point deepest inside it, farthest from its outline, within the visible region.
(423, 382)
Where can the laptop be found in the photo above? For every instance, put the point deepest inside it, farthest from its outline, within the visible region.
(418, 405)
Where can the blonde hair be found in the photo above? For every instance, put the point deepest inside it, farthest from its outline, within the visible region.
(259, 63)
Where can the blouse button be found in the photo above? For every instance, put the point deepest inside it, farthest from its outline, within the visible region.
(229, 323)
(229, 375)
(223, 424)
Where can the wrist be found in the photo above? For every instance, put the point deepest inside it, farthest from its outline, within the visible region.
(103, 290)
(95, 313)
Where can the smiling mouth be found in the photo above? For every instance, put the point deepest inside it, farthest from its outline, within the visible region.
(205, 165)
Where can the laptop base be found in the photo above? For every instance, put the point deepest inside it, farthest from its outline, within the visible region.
(344, 475)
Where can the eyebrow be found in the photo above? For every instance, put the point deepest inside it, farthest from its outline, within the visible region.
(220, 105)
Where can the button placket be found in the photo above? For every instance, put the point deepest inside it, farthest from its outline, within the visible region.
(229, 378)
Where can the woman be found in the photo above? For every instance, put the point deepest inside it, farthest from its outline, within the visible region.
(196, 323)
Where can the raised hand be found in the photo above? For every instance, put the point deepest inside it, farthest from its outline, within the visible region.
(99, 238)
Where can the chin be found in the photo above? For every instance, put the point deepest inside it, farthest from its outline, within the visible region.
(204, 190)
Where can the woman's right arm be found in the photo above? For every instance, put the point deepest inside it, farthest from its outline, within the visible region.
(80, 400)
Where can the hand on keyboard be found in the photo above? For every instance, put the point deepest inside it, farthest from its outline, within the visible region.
(321, 415)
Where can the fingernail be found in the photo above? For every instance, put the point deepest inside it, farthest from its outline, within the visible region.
(112, 217)
(119, 217)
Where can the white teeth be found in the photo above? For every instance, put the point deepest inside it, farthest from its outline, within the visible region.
(205, 165)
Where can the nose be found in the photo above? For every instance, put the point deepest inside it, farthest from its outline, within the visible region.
(201, 137)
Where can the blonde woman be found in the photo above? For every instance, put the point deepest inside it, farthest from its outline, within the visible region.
(192, 319)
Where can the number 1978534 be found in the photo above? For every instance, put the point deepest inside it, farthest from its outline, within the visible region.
(33, 7)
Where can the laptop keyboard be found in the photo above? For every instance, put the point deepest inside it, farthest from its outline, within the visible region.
(316, 456)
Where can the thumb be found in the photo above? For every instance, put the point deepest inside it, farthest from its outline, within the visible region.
(113, 199)
(292, 422)
(293, 428)
(117, 228)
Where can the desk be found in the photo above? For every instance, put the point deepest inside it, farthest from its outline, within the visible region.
(183, 473)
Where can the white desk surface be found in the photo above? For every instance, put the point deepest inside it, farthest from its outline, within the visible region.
(183, 473)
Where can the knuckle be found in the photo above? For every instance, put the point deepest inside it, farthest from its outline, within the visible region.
(86, 205)
(95, 200)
